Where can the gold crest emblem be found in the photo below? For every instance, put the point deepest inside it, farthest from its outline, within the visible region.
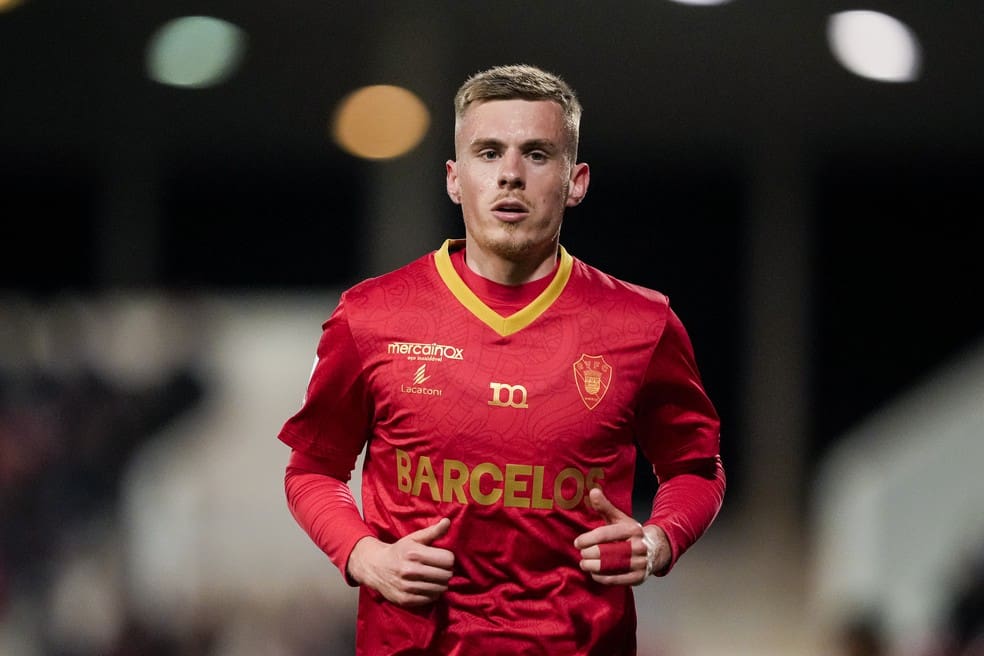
(593, 377)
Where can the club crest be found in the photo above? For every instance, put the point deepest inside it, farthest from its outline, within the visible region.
(593, 377)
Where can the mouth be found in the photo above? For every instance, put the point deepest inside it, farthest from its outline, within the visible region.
(510, 210)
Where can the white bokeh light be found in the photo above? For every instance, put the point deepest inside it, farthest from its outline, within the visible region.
(195, 51)
(875, 46)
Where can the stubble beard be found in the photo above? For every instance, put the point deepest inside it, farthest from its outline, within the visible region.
(510, 244)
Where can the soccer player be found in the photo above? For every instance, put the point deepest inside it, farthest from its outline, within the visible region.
(501, 385)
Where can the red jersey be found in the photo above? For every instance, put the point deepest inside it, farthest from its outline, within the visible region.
(503, 424)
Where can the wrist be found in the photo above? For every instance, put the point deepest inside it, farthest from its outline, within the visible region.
(658, 552)
(355, 568)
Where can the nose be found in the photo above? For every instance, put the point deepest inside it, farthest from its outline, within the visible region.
(511, 171)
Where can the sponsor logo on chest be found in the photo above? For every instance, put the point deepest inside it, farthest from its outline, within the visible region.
(416, 386)
(592, 376)
(505, 395)
(430, 352)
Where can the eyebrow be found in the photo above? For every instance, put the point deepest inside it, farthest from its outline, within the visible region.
(532, 144)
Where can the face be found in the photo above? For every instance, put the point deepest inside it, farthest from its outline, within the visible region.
(513, 178)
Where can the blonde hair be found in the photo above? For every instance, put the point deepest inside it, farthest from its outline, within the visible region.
(525, 82)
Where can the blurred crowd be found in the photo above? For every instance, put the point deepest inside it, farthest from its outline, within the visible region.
(961, 631)
(65, 441)
(86, 387)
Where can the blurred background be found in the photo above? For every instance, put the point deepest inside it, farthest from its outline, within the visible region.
(186, 187)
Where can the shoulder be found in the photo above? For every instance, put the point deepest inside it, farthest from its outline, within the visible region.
(392, 288)
(638, 298)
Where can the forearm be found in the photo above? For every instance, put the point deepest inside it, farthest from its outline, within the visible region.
(685, 505)
(325, 508)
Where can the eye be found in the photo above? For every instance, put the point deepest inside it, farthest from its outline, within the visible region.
(538, 156)
(488, 154)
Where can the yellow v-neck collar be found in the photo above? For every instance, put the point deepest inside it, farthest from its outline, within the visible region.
(505, 326)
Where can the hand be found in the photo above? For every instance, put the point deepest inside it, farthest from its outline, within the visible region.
(637, 551)
(408, 572)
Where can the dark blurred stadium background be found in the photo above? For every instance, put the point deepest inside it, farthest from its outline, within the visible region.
(817, 232)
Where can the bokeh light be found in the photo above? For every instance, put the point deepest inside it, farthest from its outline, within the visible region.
(380, 122)
(6, 5)
(195, 51)
(874, 45)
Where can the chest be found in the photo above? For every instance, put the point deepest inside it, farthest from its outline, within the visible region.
(561, 385)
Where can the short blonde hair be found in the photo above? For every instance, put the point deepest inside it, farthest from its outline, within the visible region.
(521, 81)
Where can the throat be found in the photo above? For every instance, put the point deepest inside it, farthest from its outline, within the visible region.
(504, 299)
(511, 263)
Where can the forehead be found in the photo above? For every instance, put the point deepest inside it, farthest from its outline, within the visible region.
(510, 120)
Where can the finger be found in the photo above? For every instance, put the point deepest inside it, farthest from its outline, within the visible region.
(600, 503)
(430, 533)
(593, 566)
(608, 533)
(631, 578)
(616, 557)
(424, 588)
(433, 556)
(591, 553)
(439, 575)
(416, 599)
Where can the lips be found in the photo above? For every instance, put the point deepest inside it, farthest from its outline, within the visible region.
(510, 209)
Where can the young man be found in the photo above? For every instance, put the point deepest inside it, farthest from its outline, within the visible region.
(501, 385)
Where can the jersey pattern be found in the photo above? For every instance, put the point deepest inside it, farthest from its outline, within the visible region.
(502, 425)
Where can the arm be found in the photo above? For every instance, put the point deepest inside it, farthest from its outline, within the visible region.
(679, 432)
(324, 507)
(685, 505)
(326, 435)
(409, 572)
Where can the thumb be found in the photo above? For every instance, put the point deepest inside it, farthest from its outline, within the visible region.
(430, 533)
(601, 505)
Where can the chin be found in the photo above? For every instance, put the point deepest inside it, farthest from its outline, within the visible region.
(512, 248)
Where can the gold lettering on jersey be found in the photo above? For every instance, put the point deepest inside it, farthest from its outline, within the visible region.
(415, 389)
(487, 483)
(508, 396)
(593, 377)
(455, 475)
(420, 377)
(515, 486)
(475, 483)
(429, 352)
(425, 476)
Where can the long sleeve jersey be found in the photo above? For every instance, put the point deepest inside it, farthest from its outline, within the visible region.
(502, 424)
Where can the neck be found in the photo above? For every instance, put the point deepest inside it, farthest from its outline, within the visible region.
(525, 268)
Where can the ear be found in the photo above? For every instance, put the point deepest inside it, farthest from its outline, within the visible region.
(454, 191)
(580, 177)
